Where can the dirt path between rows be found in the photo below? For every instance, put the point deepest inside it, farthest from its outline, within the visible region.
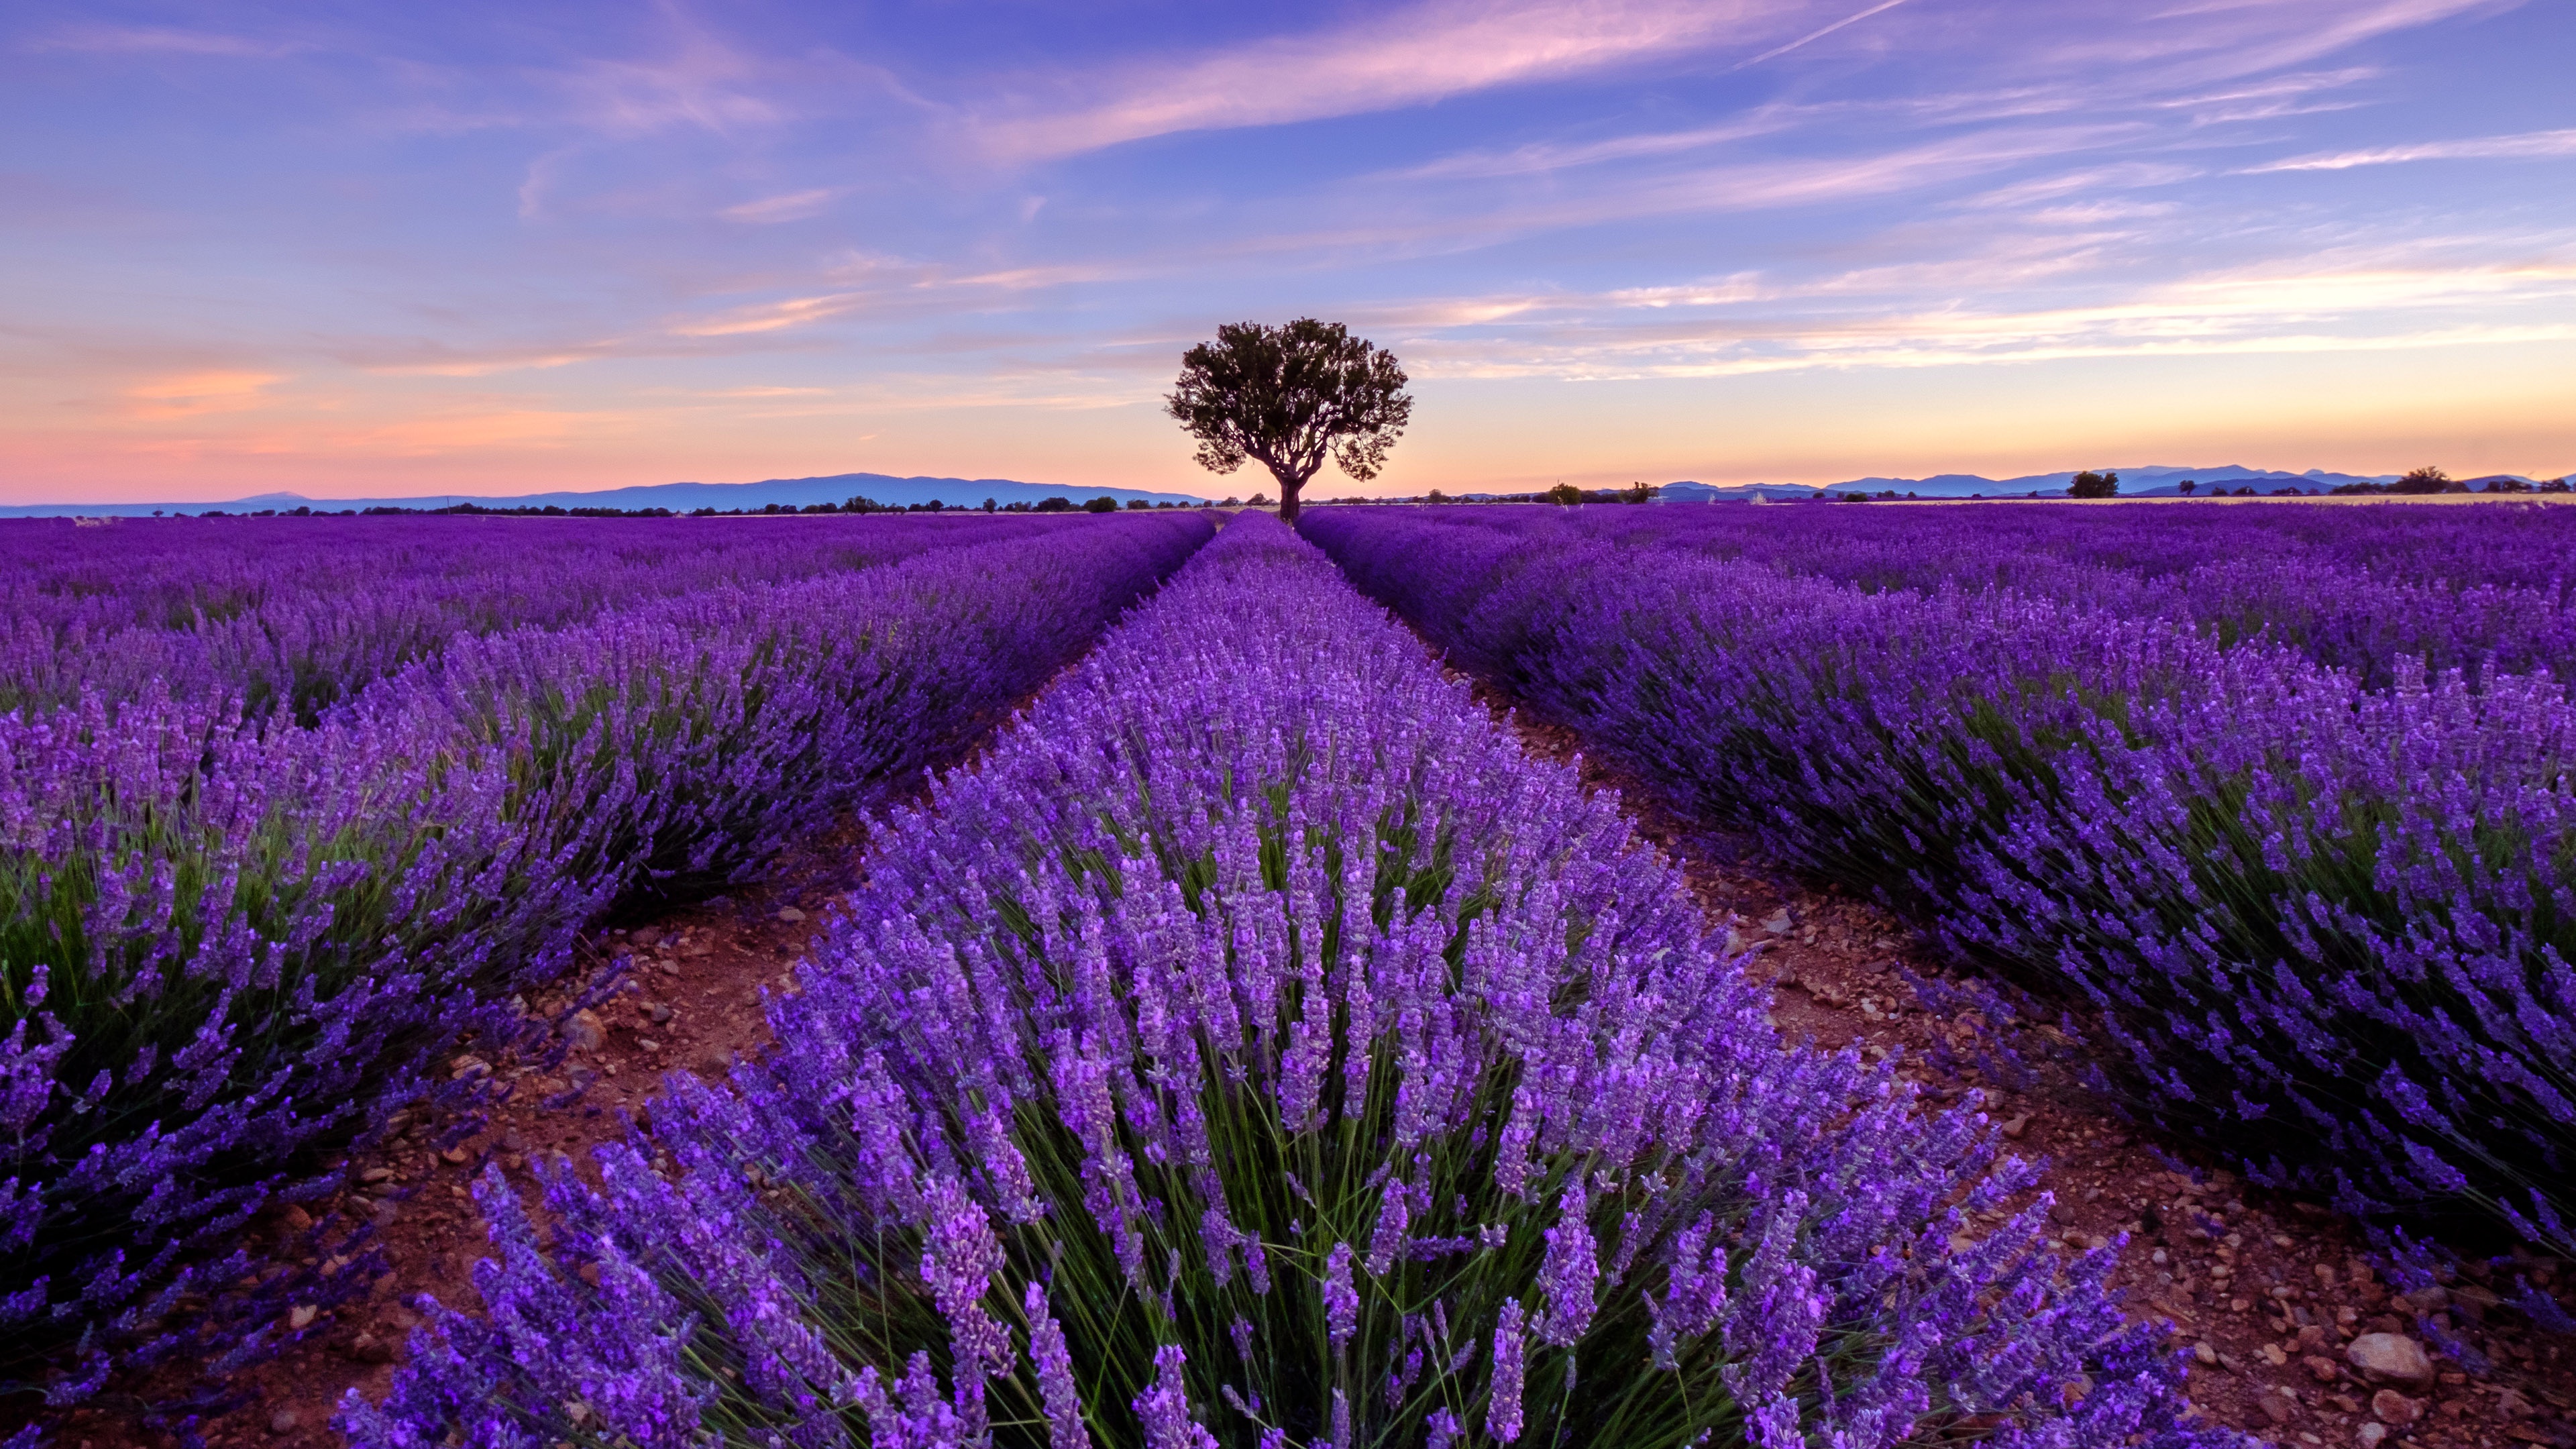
(2267, 1293)
(689, 999)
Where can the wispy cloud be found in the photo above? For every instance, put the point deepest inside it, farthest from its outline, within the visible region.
(1540, 157)
(481, 431)
(2272, 98)
(701, 83)
(1851, 351)
(868, 282)
(161, 40)
(1787, 182)
(1749, 325)
(774, 316)
(802, 214)
(191, 394)
(536, 184)
(794, 206)
(1812, 36)
(2219, 41)
(1409, 57)
(2293, 86)
(2530, 145)
(487, 364)
(2101, 212)
(2120, 176)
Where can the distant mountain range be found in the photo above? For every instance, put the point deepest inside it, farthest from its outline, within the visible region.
(677, 497)
(2156, 480)
(2152, 481)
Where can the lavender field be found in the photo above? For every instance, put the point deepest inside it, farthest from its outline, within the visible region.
(293, 810)
(1245, 1039)
(1257, 1047)
(2269, 809)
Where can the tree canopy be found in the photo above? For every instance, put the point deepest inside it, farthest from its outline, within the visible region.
(1289, 397)
(2089, 484)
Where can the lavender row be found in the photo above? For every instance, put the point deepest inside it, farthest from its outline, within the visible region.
(2324, 927)
(229, 942)
(300, 614)
(2358, 588)
(1256, 1047)
(2509, 545)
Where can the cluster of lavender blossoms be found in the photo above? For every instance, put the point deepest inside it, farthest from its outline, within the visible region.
(2356, 588)
(231, 942)
(1256, 1047)
(2323, 923)
(299, 614)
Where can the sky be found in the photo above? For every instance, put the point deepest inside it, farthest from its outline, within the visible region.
(405, 249)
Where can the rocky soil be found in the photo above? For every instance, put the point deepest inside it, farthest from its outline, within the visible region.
(2293, 1335)
(690, 999)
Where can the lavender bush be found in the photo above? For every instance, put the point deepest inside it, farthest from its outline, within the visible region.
(1257, 1048)
(299, 614)
(228, 942)
(2357, 588)
(2323, 925)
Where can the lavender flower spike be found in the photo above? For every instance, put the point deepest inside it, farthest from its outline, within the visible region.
(1568, 1275)
(1165, 1407)
(1054, 1362)
(1341, 1298)
(1503, 1404)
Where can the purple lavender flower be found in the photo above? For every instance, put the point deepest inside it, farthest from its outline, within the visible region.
(320, 810)
(1165, 1407)
(1694, 1292)
(1386, 1241)
(1101, 946)
(959, 1257)
(1341, 1298)
(1503, 1404)
(1568, 1275)
(1055, 1374)
(2202, 778)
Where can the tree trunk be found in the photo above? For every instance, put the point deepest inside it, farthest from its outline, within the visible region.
(1290, 485)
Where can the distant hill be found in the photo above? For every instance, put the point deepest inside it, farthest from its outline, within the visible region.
(2150, 481)
(678, 497)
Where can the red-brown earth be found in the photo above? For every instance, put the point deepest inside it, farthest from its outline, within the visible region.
(2269, 1302)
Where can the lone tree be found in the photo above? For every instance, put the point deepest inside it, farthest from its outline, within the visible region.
(1289, 396)
(2089, 484)
(2423, 480)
